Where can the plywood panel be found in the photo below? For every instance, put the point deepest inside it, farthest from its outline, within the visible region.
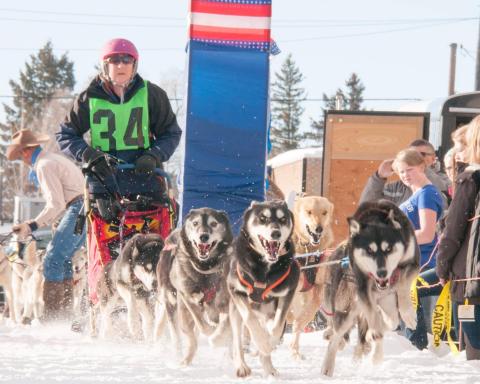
(355, 145)
(361, 137)
(348, 179)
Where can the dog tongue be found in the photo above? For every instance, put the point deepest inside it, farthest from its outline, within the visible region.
(272, 247)
(204, 248)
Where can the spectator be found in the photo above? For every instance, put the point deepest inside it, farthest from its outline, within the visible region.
(423, 208)
(458, 254)
(397, 192)
(61, 184)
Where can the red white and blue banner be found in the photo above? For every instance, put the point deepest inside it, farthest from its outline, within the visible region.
(244, 24)
(227, 105)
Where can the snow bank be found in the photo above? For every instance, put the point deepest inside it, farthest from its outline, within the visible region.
(295, 155)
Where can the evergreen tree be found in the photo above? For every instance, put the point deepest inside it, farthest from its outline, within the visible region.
(316, 133)
(354, 92)
(45, 77)
(287, 95)
(351, 99)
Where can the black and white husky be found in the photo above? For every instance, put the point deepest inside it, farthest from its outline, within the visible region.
(374, 291)
(131, 278)
(192, 280)
(262, 281)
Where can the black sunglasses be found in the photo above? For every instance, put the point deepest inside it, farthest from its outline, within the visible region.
(117, 59)
(427, 154)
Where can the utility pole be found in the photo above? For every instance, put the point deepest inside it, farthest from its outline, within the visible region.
(453, 63)
(477, 66)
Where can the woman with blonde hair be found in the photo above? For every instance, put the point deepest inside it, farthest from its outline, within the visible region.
(458, 257)
(424, 208)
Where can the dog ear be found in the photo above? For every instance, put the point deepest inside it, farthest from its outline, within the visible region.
(224, 216)
(391, 216)
(354, 226)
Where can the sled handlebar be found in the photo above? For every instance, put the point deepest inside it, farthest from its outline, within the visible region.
(158, 171)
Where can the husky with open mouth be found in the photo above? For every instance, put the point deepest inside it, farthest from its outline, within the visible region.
(262, 281)
(192, 276)
(375, 289)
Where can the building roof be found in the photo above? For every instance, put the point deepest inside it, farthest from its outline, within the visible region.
(295, 155)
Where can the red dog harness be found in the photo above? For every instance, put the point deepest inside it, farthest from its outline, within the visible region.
(259, 290)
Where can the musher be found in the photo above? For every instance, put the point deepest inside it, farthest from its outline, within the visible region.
(128, 118)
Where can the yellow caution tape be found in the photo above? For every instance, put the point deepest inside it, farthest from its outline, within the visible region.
(414, 290)
(442, 319)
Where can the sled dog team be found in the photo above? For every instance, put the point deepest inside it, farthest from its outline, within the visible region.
(240, 292)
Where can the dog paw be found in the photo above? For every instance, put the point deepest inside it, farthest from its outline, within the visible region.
(243, 371)
(185, 362)
(272, 373)
(327, 334)
(327, 371)
(26, 321)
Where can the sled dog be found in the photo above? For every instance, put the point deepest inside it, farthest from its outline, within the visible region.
(131, 278)
(262, 280)
(192, 280)
(6, 283)
(375, 288)
(312, 232)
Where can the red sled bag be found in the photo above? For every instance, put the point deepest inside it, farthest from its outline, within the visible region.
(105, 239)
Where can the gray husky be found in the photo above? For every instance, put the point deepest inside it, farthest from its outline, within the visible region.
(192, 280)
(262, 281)
(131, 277)
(374, 291)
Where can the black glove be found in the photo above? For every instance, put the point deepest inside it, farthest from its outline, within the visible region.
(145, 164)
(97, 162)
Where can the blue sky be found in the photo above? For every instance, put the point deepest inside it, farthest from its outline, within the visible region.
(400, 49)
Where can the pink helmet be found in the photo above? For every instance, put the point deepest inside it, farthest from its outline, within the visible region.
(119, 46)
(116, 47)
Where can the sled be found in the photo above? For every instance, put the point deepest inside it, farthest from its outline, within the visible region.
(106, 238)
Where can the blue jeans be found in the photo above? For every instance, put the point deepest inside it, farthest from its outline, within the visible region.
(57, 264)
(418, 337)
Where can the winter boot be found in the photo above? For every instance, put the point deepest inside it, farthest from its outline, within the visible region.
(67, 303)
(53, 298)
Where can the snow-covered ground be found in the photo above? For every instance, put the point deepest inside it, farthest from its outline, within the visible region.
(53, 354)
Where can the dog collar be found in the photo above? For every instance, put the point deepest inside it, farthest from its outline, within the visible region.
(206, 271)
(258, 291)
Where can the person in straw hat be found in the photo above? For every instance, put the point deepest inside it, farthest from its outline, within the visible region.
(61, 184)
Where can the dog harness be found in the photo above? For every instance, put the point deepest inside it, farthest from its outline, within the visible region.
(258, 290)
(310, 274)
(210, 293)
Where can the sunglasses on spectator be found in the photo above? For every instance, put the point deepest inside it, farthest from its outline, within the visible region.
(427, 154)
(117, 59)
